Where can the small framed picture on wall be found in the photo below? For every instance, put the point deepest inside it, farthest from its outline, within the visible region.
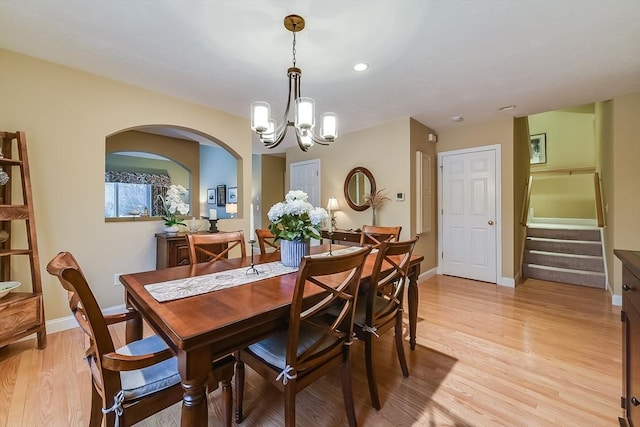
(211, 196)
(222, 195)
(538, 148)
(232, 195)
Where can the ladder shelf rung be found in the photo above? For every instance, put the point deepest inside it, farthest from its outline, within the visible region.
(13, 212)
(4, 161)
(9, 252)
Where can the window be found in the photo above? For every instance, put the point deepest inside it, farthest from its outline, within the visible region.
(124, 199)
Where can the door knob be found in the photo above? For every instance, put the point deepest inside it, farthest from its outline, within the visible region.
(635, 401)
(626, 287)
(490, 222)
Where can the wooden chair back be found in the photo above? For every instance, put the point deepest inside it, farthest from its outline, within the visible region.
(202, 244)
(315, 341)
(105, 364)
(374, 235)
(338, 279)
(381, 308)
(266, 241)
(389, 278)
(87, 313)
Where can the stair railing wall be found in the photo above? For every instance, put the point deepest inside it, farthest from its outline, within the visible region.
(571, 185)
(525, 205)
(599, 204)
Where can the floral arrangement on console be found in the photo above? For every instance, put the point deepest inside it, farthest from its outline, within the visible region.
(296, 218)
(376, 200)
(173, 203)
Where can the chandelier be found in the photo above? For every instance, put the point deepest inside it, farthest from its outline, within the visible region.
(272, 133)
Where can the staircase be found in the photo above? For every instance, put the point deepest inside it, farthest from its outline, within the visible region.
(564, 255)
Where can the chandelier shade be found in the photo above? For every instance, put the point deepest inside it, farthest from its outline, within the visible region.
(272, 133)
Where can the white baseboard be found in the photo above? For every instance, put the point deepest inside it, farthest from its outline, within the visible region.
(508, 282)
(616, 300)
(428, 274)
(586, 222)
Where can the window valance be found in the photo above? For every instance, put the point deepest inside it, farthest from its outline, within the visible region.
(157, 179)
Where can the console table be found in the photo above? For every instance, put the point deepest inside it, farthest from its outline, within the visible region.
(341, 236)
(630, 317)
(172, 249)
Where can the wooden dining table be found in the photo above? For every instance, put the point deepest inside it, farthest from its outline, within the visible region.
(202, 328)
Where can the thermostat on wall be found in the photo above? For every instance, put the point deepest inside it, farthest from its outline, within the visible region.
(399, 197)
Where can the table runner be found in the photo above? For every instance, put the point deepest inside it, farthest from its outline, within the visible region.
(198, 285)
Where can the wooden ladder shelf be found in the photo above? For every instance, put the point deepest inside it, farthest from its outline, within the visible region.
(21, 313)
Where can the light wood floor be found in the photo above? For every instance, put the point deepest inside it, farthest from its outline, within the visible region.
(542, 354)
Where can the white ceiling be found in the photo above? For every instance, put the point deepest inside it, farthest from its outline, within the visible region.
(429, 59)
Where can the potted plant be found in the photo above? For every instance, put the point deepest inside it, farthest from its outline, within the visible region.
(172, 204)
(295, 222)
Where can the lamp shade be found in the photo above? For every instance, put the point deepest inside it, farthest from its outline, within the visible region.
(231, 208)
(305, 118)
(333, 205)
(260, 114)
(329, 128)
(270, 134)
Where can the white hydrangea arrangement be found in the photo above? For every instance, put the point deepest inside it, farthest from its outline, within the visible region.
(173, 203)
(296, 218)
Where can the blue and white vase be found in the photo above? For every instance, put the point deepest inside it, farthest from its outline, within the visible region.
(292, 251)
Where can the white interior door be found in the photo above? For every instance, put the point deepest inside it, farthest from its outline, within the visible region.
(305, 176)
(469, 221)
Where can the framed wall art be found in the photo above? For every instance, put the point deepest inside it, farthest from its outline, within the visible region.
(211, 196)
(221, 195)
(232, 195)
(538, 148)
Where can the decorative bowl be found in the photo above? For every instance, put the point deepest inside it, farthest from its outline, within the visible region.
(6, 287)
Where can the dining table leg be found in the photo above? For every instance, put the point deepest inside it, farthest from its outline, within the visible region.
(412, 297)
(194, 367)
(133, 327)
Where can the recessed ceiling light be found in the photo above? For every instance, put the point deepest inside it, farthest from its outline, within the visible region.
(361, 66)
(507, 108)
(456, 119)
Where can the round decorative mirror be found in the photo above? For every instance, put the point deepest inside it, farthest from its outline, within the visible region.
(358, 184)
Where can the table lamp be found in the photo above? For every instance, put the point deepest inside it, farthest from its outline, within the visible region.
(332, 206)
(232, 209)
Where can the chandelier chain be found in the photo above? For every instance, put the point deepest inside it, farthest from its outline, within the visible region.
(294, 49)
(272, 133)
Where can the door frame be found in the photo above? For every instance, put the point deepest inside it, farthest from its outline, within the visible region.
(497, 149)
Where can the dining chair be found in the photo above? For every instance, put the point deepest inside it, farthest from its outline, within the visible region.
(137, 380)
(203, 246)
(373, 235)
(266, 241)
(311, 344)
(379, 306)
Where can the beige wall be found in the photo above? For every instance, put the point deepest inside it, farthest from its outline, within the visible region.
(622, 181)
(604, 165)
(273, 185)
(570, 144)
(391, 171)
(388, 151)
(570, 139)
(183, 166)
(499, 132)
(427, 246)
(66, 115)
(521, 143)
(566, 196)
